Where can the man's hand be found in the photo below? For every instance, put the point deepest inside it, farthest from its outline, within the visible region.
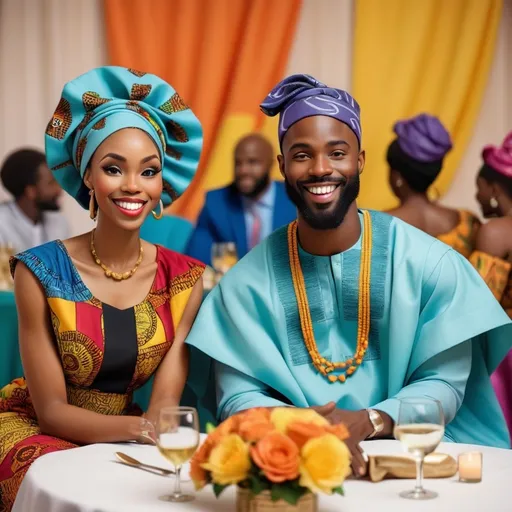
(324, 410)
(360, 427)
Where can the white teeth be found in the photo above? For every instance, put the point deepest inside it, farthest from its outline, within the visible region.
(322, 190)
(129, 206)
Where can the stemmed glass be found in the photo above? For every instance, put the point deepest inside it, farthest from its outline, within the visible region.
(420, 428)
(177, 434)
(223, 256)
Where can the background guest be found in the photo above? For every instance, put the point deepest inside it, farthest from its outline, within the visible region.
(249, 209)
(415, 159)
(493, 255)
(33, 217)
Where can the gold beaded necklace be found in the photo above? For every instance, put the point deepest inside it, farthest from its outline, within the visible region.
(324, 366)
(117, 276)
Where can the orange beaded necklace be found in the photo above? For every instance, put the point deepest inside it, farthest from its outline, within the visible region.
(324, 366)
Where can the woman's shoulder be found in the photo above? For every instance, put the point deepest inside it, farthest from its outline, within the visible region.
(178, 269)
(495, 236)
(39, 259)
(51, 265)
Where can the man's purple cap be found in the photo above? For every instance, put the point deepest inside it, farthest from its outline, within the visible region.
(300, 96)
(423, 138)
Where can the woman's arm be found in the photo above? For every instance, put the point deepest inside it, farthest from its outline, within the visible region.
(172, 373)
(45, 377)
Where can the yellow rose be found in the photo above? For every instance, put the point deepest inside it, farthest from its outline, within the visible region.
(281, 417)
(325, 463)
(229, 461)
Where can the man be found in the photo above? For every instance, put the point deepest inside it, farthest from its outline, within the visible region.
(32, 218)
(351, 309)
(248, 210)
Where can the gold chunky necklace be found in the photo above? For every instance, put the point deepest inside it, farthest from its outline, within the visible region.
(324, 366)
(117, 276)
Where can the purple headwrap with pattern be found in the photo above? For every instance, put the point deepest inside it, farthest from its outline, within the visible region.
(423, 138)
(300, 96)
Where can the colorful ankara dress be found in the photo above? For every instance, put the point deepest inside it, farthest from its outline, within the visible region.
(463, 236)
(106, 353)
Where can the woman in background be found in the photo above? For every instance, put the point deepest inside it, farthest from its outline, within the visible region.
(493, 252)
(100, 313)
(415, 159)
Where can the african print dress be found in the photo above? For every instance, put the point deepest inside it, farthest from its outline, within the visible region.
(106, 353)
(496, 272)
(463, 236)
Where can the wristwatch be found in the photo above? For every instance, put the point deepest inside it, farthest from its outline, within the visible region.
(377, 422)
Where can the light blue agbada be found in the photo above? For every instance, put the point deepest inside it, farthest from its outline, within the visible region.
(436, 331)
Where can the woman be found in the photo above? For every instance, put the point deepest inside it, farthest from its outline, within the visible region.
(100, 313)
(415, 159)
(493, 252)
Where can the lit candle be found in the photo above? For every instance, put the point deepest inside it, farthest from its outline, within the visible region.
(470, 467)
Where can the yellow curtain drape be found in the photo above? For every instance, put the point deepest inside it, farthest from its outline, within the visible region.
(414, 56)
(222, 56)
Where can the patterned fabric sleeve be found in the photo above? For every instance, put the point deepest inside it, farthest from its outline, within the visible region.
(183, 273)
(493, 270)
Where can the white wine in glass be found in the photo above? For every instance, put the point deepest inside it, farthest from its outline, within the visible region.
(223, 256)
(177, 432)
(420, 429)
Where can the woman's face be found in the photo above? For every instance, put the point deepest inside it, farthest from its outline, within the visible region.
(125, 174)
(484, 193)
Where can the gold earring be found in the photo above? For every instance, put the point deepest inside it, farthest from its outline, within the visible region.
(158, 216)
(493, 202)
(92, 205)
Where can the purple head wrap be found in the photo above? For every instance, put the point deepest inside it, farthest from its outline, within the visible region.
(423, 138)
(300, 96)
(500, 158)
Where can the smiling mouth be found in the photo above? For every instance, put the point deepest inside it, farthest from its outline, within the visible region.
(322, 190)
(130, 207)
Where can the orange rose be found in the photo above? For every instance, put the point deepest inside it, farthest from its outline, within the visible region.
(277, 456)
(228, 426)
(300, 432)
(255, 424)
(340, 431)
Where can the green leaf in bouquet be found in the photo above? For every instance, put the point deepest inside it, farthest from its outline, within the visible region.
(217, 489)
(258, 484)
(339, 490)
(210, 427)
(287, 492)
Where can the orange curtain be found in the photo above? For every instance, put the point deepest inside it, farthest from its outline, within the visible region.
(222, 56)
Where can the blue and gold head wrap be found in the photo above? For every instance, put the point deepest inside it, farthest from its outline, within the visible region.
(108, 99)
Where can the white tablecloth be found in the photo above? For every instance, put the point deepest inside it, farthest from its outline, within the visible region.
(89, 480)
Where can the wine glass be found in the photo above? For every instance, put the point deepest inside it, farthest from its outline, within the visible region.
(223, 256)
(420, 428)
(177, 434)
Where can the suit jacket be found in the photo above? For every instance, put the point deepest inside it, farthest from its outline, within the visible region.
(222, 220)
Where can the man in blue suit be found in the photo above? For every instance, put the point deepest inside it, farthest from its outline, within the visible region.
(249, 209)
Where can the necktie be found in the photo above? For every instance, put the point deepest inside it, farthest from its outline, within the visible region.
(256, 229)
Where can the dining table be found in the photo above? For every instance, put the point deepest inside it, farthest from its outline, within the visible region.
(92, 479)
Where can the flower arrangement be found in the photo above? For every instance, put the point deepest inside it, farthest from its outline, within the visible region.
(287, 452)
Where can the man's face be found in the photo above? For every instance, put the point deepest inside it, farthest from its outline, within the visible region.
(47, 190)
(321, 163)
(253, 162)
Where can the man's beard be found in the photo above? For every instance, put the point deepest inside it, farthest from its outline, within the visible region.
(48, 205)
(330, 218)
(258, 188)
